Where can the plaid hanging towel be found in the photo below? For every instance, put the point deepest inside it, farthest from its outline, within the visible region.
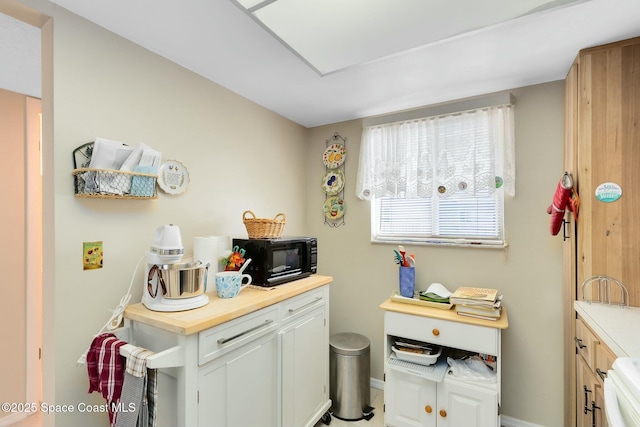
(105, 367)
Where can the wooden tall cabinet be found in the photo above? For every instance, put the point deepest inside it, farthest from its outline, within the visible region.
(602, 145)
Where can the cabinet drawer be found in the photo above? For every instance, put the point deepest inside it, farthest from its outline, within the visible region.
(586, 342)
(604, 360)
(219, 340)
(463, 336)
(301, 304)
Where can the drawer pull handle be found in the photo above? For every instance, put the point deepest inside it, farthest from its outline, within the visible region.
(593, 413)
(435, 332)
(601, 374)
(579, 342)
(443, 413)
(428, 409)
(293, 310)
(255, 328)
(586, 399)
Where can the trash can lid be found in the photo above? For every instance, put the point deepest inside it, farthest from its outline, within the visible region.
(349, 344)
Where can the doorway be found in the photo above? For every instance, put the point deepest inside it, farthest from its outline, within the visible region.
(21, 253)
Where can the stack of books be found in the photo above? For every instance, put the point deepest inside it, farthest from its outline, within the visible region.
(481, 303)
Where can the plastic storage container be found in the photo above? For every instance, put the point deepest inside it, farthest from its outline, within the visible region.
(349, 376)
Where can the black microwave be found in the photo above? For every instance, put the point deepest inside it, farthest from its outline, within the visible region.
(278, 261)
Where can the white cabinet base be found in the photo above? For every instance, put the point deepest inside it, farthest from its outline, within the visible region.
(416, 395)
(268, 368)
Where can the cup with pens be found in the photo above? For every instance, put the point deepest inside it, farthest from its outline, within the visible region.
(406, 272)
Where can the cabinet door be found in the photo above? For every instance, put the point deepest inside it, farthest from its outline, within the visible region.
(409, 400)
(305, 364)
(462, 404)
(586, 385)
(608, 151)
(597, 407)
(240, 388)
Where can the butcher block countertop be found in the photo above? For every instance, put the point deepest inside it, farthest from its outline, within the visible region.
(221, 310)
(451, 315)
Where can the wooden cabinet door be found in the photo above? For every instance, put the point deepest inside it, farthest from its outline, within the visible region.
(304, 369)
(240, 388)
(409, 400)
(609, 152)
(586, 386)
(462, 404)
(597, 408)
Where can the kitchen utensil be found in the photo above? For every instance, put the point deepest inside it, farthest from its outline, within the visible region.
(171, 283)
(230, 283)
(407, 279)
(167, 243)
(396, 297)
(421, 357)
(235, 260)
(246, 263)
(178, 280)
(404, 262)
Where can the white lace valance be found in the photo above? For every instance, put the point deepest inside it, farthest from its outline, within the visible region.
(440, 155)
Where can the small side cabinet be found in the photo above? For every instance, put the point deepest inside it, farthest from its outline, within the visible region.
(414, 394)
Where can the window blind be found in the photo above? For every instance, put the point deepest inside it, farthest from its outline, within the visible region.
(439, 179)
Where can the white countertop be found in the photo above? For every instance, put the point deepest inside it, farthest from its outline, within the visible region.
(616, 326)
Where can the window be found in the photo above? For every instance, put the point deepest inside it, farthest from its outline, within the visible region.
(439, 179)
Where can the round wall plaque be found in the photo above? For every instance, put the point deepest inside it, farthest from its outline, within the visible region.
(608, 192)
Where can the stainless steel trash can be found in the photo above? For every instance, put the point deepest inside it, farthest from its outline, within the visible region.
(349, 376)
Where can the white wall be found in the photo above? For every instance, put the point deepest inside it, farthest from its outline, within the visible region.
(242, 156)
(528, 274)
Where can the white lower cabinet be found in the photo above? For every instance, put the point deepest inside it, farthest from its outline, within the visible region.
(240, 388)
(304, 370)
(414, 401)
(465, 405)
(409, 400)
(269, 368)
(415, 395)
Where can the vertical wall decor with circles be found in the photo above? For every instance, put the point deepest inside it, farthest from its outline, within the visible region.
(333, 181)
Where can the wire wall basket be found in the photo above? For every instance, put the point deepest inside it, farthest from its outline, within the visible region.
(109, 184)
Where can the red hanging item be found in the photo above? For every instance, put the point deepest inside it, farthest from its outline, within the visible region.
(560, 202)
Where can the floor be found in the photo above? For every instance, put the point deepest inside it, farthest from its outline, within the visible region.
(377, 401)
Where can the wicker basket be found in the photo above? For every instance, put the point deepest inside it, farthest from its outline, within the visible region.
(106, 183)
(260, 228)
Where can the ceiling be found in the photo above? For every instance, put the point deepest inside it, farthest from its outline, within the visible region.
(324, 61)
